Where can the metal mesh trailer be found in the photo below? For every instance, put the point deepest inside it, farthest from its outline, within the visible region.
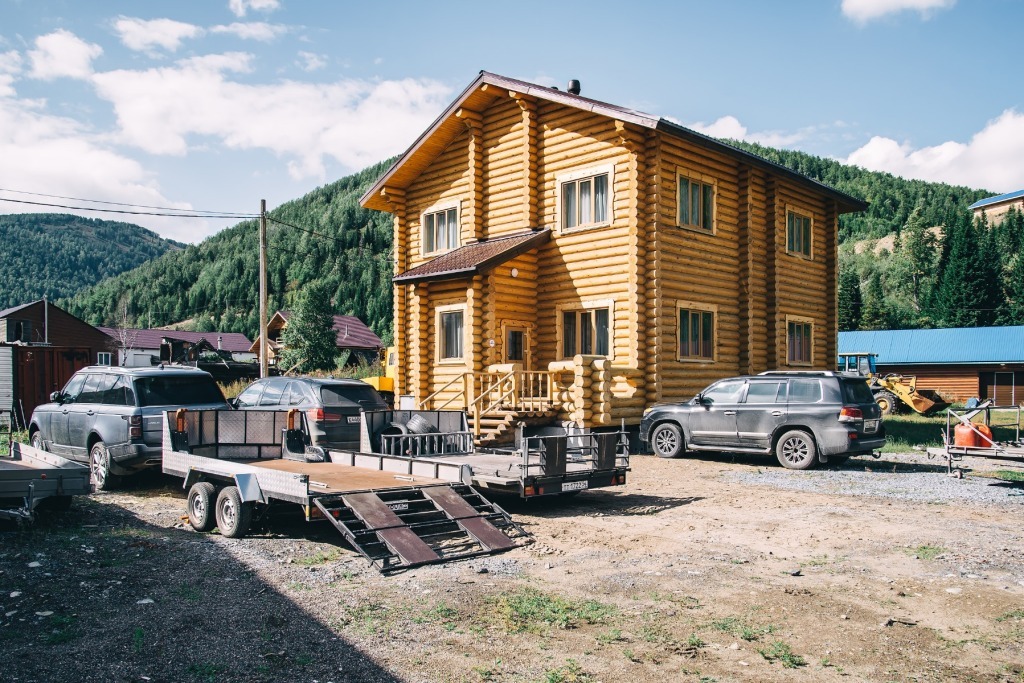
(978, 438)
(29, 476)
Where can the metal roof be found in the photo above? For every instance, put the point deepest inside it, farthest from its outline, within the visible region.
(475, 258)
(234, 342)
(958, 345)
(352, 332)
(997, 199)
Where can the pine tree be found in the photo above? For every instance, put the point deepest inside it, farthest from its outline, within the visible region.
(310, 339)
(850, 303)
(874, 316)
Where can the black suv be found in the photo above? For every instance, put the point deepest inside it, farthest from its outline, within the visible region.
(112, 417)
(332, 407)
(803, 417)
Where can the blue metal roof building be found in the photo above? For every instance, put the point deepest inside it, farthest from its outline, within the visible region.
(982, 203)
(959, 345)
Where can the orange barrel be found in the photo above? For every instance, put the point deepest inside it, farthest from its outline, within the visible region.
(985, 439)
(964, 436)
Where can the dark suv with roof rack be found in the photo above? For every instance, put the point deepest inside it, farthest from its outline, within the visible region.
(801, 417)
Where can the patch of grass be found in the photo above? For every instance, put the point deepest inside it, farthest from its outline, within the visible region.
(570, 672)
(62, 629)
(296, 586)
(631, 656)
(726, 625)
(188, 592)
(927, 552)
(138, 640)
(1009, 475)
(695, 641)
(752, 633)
(780, 651)
(317, 558)
(1015, 615)
(205, 671)
(371, 618)
(529, 610)
(303, 659)
(441, 614)
(609, 637)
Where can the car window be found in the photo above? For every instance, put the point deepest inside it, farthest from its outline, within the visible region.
(120, 393)
(96, 386)
(73, 388)
(272, 393)
(724, 392)
(364, 396)
(294, 395)
(804, 390)
(173, 390)
(857, 392)
(766, 392)
(250, 396)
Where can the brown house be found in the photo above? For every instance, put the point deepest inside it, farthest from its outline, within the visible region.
(41, 346)
(557, 256)
(353, 336)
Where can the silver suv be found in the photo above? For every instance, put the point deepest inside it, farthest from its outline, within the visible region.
(112, 417)
(802, 417)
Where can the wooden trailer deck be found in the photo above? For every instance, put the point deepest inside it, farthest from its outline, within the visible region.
(332, 477)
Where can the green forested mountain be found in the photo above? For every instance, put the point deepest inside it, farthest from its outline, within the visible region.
(58, 254)
(324, 236)
(333, 241)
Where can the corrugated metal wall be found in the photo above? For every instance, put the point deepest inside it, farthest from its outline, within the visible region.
(6, 379)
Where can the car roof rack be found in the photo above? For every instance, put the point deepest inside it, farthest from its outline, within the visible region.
(804, 373)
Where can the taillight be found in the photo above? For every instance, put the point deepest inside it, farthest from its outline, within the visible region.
(135, 420)
(850, 413)
(320, 415)
(135, 432)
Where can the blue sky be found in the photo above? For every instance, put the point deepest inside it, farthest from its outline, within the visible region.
(215, 104)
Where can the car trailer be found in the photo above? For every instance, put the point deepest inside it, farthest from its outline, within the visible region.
(395, 511)
(29, 476)
(963, 436)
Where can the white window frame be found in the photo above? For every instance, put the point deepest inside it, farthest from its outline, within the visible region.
(799, 320)
(100, 358)
(802, 213)
(692, 306)
(439, 334)
(582, 307)
(583, 174)
(682, 173)
(433, 210)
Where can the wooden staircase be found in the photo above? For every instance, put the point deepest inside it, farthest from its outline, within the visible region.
(499, 426)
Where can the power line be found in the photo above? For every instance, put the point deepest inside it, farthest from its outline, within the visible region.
(229, 214)
(311, 232)
(133, 213)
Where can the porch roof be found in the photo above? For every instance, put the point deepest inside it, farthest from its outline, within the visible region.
(475, 258)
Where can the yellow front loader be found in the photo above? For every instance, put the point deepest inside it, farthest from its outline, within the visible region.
(892, 391)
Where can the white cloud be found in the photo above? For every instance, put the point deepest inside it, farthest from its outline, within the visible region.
(240, 7)
(863, 11)
(60, 156)
(252, 30)
(309, 61)
(62, 53)
(355, 122)
(990, 160)
(144, 35)
(730, 127)
(10, 67)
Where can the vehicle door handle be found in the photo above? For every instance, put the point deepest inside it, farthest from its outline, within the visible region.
(729, 412)
(64, 411)
(777, 413)
(90, 412)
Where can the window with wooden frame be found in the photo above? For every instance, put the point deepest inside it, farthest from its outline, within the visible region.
(799, 231)
(587, 332)
(451, 333)
(440, 230)
(103, 358)
(800, 341)
(696, 332)
(695, 207)
(585, 199)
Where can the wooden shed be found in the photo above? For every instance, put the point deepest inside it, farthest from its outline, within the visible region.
(41, 346)
(353, 336)
(561, 257)
(959, 363)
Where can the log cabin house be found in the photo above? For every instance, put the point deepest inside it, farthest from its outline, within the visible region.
(563, 258)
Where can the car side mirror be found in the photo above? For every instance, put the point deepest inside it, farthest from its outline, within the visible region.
(233, 402)
(55, 397)
(705, 401)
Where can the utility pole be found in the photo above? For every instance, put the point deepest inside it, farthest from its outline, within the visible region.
(263, 288)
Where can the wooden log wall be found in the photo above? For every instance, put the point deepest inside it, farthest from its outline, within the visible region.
(448, 181)
(505, 139)
(514, 300)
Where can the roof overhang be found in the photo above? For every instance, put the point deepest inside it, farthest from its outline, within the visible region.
(475, 258)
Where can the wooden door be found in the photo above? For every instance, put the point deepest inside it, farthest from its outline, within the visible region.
(517, 346)
(1003, 389)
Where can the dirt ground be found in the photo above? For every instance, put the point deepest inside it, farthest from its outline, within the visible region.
(711, 569)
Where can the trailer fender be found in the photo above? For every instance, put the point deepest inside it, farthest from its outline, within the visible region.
(466, 475)
(249, 488)
(191, 478)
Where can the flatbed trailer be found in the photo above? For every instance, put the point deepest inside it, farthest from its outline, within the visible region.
(397, 512)
(1009, 451)
(29, 476)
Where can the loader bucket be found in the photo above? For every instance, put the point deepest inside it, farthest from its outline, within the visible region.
(927, 401)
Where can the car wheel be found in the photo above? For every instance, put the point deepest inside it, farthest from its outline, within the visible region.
(233, 516)
(99, 466)
(667, 440)
(887, 401)
(37, 441)
(201, 500)
(796, 451)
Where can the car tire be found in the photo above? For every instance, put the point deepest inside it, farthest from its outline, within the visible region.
(796, 451)
(667, 440)
(202, 498)
(99, 468)
(37, 441)
(233, 516)
(887, 401)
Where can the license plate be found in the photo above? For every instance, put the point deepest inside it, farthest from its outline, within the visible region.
(575, 485)
(353, 419)
(398, 507)
(870, 425)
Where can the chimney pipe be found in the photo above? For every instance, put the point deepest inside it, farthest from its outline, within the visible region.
(573, 87)
(219, 341)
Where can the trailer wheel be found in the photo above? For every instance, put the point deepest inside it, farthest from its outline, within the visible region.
(667, 440)
(233, 516)
(99, 466)
(202, 498)
(796, 451)
(887, 401)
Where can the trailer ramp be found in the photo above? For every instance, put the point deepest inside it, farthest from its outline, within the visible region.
(398, 529)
